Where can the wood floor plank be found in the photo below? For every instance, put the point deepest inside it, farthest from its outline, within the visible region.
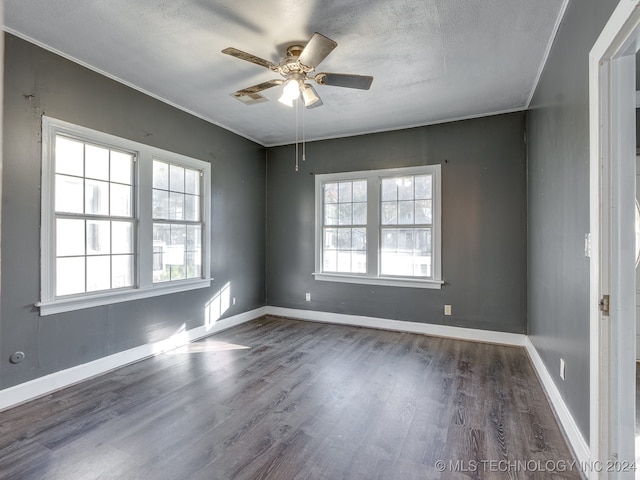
(279, 399)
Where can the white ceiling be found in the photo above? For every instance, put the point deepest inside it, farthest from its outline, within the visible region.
(432, 60)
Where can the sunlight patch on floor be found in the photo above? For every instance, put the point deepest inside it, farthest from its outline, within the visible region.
(209, 346)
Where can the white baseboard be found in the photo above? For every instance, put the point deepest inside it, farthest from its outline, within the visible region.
(460, 333)
(563, 414)
(577, 441)
(38, 387)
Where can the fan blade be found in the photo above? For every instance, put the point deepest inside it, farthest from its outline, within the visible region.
(316, 50)
(258, 88)
(363, 82)
(234, 52)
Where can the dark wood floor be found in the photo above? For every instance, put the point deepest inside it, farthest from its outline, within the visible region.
(282, 399)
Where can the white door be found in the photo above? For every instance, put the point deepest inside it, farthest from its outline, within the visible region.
(613, 274)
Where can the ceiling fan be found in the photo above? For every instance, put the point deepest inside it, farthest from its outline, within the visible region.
(296, 69)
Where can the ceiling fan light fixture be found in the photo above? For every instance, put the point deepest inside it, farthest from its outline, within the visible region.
(308, 95)
(290, 92)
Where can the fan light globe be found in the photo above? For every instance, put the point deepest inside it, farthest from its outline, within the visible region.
(308, 95)
(290, 92)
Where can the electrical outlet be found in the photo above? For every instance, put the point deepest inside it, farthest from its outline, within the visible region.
(562, 368)
(447, 309)
(307, 297)
(233, 301)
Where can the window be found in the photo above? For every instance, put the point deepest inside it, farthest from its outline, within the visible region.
(177, 226)
(94, 219)
(379, 227)
(120, 220)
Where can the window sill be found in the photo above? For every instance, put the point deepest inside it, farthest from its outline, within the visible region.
(107, 298)
(384, 281)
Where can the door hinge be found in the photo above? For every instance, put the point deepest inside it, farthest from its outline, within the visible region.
(604, 305)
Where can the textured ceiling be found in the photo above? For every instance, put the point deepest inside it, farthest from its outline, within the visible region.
(432, 60)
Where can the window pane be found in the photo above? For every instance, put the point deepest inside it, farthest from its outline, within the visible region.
(69, 276)
(69, 237)
(389, 213)
(344, 261)
(423, 211)
(331, 214)
(176, 178)
(161, 242)
(161, 234)
(69, 156)
(121, 167)
(359, 238)
(121, 237)
(331, 193)
(330, 238)
(194, 238)
(406, 252)
(193, 265)
(96, 162)
(345, 213)
(359, 213)
(345, 192)
(422, 241)
(191, 208)
(422, 252)
(175, 256)
(389, 190)
(98, 237)
(330, 261)
(389, 239)
(405, 188)
(192, 181)
(98, 273)
(359, 262)
(423, 187)
(344, 238)
(69, 194)
(120, 200)
(360, 191)
(160, 204)
(178, 272)
(96, 199)
(176, 206)
(122, 271)
(405, 239)
(179, 236)
(160, 175)
(405, 213)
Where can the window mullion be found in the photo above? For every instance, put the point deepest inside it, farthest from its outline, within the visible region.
(144, 172)
(373, 225)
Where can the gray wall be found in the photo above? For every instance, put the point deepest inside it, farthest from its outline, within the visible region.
(65, 90)
(558, 205)
(484, 224)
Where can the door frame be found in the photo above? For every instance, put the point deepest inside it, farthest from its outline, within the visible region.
(612, 266)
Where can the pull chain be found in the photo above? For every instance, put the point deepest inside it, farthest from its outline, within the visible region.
(296, 107)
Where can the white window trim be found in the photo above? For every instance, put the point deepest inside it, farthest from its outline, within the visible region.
(143, 174)
(373, 223)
